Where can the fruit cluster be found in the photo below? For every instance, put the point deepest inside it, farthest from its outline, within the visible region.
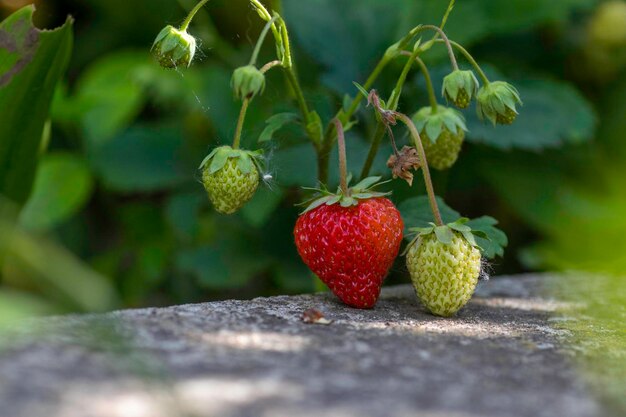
(351, 238)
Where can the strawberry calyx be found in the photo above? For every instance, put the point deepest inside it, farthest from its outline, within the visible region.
(434, 122)
(363, 190)
(446, 232)
(246, 160)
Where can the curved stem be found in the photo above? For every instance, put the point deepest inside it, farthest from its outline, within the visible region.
(425, 170)
(445, 39)
(240, 121)
(191, 14)
(259, 43)
(343, 164)
(432, 98)
(265, 15)
(265, 68)
(472, 61)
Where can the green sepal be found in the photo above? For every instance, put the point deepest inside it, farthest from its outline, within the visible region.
(458, 81)
(446, 232)
(434, 123)
(246, 160)
(494, 99)
(361, 89)
(363, 190)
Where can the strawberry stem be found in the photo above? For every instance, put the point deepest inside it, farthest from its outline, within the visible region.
(265, 68)
(242, 118)
(191, 15)
(455, 65)
(472, 61)
(343, 165)
(262, 36)
(424, 165)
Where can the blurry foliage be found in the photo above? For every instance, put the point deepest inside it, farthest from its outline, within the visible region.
(119, 184)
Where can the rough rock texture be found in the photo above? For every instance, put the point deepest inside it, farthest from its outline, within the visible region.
(498, 357)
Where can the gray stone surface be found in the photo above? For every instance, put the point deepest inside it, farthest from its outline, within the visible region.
(499, 357)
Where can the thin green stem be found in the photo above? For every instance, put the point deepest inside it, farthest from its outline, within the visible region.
(397, 91)
(432, 199)
(444, 37)
(240, 121)
(472, 61)
(259, 43)
(191, 15)
(432, 98)
(343, 164)
(265, 15)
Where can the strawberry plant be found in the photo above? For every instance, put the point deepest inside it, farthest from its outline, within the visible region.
(350, 239)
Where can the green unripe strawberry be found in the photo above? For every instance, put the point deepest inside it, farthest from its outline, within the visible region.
(442, 132)
(459, 87)
(497, 103)
(230, 177)
(174, 48)
(444, 267)
(247, 82)
(444, 153)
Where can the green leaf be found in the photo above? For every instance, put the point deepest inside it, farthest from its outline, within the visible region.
(495, 242)
(554, 113)
(223, 266)
(31, 64)
(181, 212)
(275, 123)
(259, 210)
(142, 159)
(416, 212)
(63, 186)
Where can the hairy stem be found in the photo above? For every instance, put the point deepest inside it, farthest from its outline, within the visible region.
(472, 61)
(240, 121)
(445, 39)
(191, 14)
(424, 165)
(265, 68)
(343, 164)
(261, 39)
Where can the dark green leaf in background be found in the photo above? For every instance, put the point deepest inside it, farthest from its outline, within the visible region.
(554, 113)
(143, 159)
(62, 187)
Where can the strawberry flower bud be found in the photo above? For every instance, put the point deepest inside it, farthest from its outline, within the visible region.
(174, 48)
(459, 87)
(496, 102)
(247, 82)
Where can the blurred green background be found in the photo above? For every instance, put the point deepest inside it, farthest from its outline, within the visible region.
(117, 216)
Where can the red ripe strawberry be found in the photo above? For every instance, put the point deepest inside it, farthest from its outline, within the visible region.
(350, 242)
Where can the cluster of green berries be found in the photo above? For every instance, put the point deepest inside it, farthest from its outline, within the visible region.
(443, 129)
(351, 238)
